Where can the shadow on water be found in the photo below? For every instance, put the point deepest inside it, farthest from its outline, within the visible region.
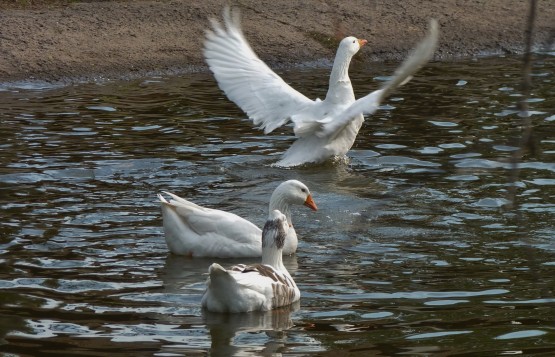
(412, 251)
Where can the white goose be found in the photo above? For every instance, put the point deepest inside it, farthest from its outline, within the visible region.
(198, 231)
(259, 287)
(324, 129)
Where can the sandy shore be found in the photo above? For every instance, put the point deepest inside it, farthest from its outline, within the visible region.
(127, 39)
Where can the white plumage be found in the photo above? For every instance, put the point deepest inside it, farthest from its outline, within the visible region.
(198, 231)
(259, 287)
(324, 128)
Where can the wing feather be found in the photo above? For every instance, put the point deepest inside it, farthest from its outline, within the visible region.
(213, 223)
(260, 277)
(246, 80)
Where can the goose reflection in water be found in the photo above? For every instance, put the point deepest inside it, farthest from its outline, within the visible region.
(226, 330)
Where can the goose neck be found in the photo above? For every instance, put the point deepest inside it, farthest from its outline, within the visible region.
(340, 70)
(273, 256)
(340, 83)
(278, 202)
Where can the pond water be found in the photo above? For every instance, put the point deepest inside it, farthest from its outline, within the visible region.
(413, 251)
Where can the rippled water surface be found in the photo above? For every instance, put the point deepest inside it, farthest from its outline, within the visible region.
(413, 252)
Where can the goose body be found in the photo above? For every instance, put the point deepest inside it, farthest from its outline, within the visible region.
(259, 287)
(324, 128)
(197, 231)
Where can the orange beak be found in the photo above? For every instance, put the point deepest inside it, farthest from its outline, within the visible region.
(310, 203)
(362, 42)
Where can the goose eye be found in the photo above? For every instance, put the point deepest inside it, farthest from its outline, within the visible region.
(303, 190)
(354, 41)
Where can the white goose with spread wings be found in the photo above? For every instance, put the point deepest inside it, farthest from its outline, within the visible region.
(259, 287)
(197, 231)
(324, 128)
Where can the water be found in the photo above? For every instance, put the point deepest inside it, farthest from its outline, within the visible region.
(413, 251)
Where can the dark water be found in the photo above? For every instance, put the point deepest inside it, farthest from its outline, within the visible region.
(413, 252)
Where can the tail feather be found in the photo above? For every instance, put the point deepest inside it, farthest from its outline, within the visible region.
(220, 278)
(161, 198)
(178, 201)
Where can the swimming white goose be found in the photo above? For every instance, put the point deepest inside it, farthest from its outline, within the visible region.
(259, 287)
(324, 128)
(198, 231)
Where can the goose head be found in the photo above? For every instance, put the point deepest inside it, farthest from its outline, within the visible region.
(275, 230)
(291, 192)
(350, 45)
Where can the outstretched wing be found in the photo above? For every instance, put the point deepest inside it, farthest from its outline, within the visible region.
(246, 79)
(370, 103)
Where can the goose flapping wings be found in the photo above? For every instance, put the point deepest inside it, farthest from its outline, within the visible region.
(324, 128)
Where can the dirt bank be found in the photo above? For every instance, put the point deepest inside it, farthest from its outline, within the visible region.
(124, 39)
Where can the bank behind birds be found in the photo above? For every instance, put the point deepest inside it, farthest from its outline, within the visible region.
(324, 128)
(197, 231)
(259, 287)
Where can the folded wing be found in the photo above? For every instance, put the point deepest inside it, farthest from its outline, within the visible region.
(208, 228)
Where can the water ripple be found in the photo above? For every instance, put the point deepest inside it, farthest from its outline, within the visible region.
(414, 244)
(417, 295)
